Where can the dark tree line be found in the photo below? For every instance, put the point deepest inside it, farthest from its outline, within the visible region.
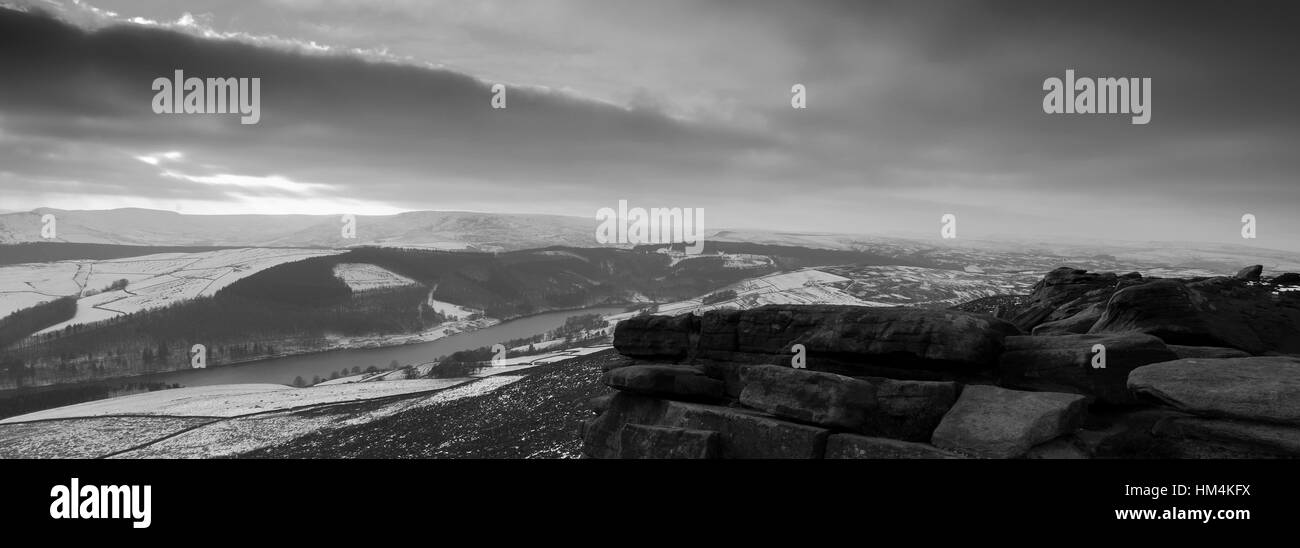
(23, 323)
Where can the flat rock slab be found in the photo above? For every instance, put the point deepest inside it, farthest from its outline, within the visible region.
(1260, 388)
(639, 441)
(903, 337)
(670, 381)
(909, 410)
(652, 336)
(852, 337)
(1065, 363)
(992, 422)
(852, 446)
(1198, 437)
(1183, 351)
(749, 435)
(906, 410)
(1063, 448)
(826, 399)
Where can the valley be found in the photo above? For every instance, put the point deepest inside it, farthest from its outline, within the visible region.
(285, 316)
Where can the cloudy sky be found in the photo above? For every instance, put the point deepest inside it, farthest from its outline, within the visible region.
(915, 109)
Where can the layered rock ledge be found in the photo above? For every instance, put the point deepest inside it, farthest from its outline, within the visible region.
(1091, 365)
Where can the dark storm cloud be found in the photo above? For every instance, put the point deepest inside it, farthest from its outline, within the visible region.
(379, 124)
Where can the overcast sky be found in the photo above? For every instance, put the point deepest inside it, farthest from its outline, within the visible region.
(915, 109)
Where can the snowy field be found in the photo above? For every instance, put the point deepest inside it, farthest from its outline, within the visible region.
(87, 438)
(242, 434)
(510, 365)
(451, 311)
(231, 400)
(153, 280)
(917, 286)
(365, 277)
(229, 420)
(737, 261)
(808, 286)
(145, 436)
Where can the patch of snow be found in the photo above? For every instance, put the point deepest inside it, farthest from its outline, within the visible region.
(231, 400)
(365, 277)
(154, 281)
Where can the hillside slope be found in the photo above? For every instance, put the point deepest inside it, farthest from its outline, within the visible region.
(535, 417)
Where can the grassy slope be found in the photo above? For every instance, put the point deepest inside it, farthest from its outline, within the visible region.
(536, 417)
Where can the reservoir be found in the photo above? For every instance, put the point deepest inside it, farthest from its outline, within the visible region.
(284, 370)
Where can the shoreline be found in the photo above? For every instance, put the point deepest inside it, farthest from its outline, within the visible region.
(366, 342)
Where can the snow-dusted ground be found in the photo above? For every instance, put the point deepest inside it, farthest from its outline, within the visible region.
(231, 400)
(917, 286)
(140, 436)
(353, 378)
(509, 364)
(738, 261)
(364, 277)
(449, 310)
(153, 280)
(339, 342)
(25, 285)
(808, 286)
(242, 434)
(87, 438)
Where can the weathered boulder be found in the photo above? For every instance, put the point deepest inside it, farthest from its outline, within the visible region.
(852, 446)
(618, 360)
(1062, 448)
(1201, 438)
(1212, 312)
(1064, 293)
(638, 441)
(907, 410)
(1065, 363)
(1183, 351)
(718, 330)
(809, 396)
(599, 403)
(992, 422)
(669, 381)
(741, 433)
(850, 340)
(1224, 311)
(601, 436)
(1080, 322)
(746, 434)
(1250, 273)
(653, 336)
(1259, 388)
(865, 340)
(1287, 279)
(1123, 433)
